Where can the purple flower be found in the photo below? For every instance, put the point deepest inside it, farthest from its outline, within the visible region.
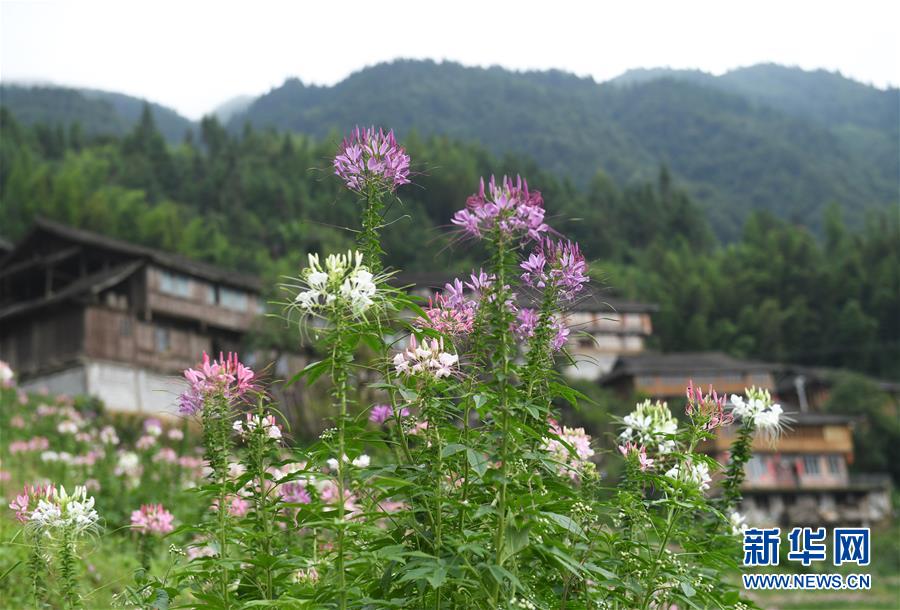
(382, 413)
(295, 492)
(509, 207)
(556, 264)
(526, 322)
(372, 158)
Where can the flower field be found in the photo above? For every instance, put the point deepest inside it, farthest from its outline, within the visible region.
(461, 488)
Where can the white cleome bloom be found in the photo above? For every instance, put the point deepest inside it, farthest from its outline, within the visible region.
(362, 461)
(651, 424)
(738, 523)
(690, 472)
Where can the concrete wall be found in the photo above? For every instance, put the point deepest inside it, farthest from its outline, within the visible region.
(70, 381)
(121, 387)
(127, 388)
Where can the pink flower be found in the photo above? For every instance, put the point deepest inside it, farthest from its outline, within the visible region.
(294, 492)
(558, 265)
(24, 503)
(226, 376)
(570, 464)
(508, 207)
(710, 407)
(166, 454)
(639, 450)
(526, 323)
(17, 422)
(428, 358)
(372, 159)
(237, 506)
(145, 442)
(448, 316)
(152, 519)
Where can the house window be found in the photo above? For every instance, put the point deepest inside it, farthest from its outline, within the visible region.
(233, 299)
(756, 468)
(211, 296)
(175, 284)
(162, 339)
(834, 464)
(811, 464)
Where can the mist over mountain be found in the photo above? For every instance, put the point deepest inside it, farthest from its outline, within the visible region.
(97, 112)
(764, 137)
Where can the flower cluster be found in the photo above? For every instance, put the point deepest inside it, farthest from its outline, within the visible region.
(508, 207)
(527, 321)
(344, 283)
(225, 376)
(640, 451)
(709, 407)
(152, 520)
(56, 509)
(370, 158)
(251, 422)
(738, 523)
(450, 317)
(759, 408)
(559, 265)
(689, 471)
(571, 464)
(651, 424)
(428, 358)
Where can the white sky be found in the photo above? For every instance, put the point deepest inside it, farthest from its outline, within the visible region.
(193, 55)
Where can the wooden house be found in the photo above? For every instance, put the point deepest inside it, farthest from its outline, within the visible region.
(81, 313)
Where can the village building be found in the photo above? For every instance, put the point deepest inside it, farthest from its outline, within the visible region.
(81, 313)
(800, 478)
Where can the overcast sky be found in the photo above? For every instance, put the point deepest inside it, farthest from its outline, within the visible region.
(193, 55)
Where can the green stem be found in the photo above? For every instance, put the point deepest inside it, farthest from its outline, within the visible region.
(670, 524)
(67, 569)
(339, 375)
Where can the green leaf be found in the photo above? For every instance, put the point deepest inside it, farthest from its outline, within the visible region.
(311, 371)
(162, 600)
(687, 588)
(451, 449)
(566, 523)
(477, 461)
(500, 574)
(515, 540)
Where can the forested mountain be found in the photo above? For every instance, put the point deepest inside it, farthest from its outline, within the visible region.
(96, 112)
(765, 137)
(260, 200)
(759, 138)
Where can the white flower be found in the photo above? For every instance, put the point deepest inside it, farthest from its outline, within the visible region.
(333, 463)
(46, 515)
(362, 461)
(738, 523)
(344, 281)
(651, 424)
(758, 408)
(67, 427)
(6, 374)
(49, 456)
(108, 436)
(696, 473)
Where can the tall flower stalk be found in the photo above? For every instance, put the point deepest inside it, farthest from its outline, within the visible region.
(214, 389)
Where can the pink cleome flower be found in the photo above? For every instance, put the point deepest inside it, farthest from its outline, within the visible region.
(370, 158)
(225, 375)
(710, 406)
(24, 503)
(556, 264)
(508, 207)
(152, 519)
(448, 316)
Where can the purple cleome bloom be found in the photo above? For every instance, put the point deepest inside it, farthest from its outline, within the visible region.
(509, 207)
(450, 316)
(382, 413)
(526, 322)
(558, 264)
(372, 158)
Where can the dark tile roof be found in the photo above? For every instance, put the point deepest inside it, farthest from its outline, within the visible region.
(595, 300)
(89, 284)
(164, 259)
(684, 364)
